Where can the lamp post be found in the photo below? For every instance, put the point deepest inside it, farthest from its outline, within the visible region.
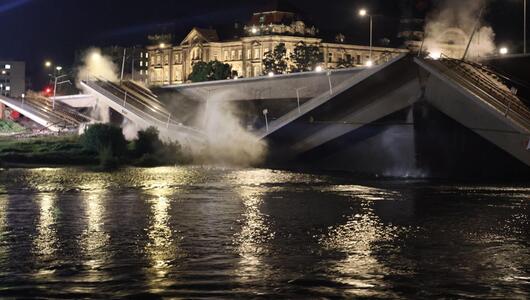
(265, 112)
(364, 13)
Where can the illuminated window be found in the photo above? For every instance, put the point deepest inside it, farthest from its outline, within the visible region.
(141, 63)
(239, 54)
(226, 55)
(233, 54)
(256, 53)
(8, 67)
(249, 53)
(146, 55)
(8, 88)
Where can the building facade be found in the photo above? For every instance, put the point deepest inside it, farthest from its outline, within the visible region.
(245, 49)
(12, 78)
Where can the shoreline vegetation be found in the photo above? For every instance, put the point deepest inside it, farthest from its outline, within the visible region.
(102, 147)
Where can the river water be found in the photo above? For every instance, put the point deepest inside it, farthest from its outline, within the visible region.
(197, 232)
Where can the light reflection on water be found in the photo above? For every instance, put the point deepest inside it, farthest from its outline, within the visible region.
(228, 233)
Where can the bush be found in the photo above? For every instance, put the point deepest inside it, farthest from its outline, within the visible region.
(102, 137)
(147, 142)
(151, 151)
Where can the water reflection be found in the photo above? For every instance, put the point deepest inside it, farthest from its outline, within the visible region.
(162, 248)
(360, 271)
(3, 223)
(253, 240)
(95, 240)
(45, 243)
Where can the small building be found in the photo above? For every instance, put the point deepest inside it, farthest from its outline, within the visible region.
(12, 78)
(244, 47)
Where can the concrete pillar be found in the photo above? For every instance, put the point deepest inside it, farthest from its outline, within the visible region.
(2, 111)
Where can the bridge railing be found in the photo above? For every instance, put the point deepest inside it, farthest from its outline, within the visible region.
(159, 120)
(504, 100)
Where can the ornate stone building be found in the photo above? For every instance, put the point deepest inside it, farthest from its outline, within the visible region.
(245, 48)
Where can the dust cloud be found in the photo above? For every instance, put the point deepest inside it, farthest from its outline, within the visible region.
(449, 27)
(228, 142)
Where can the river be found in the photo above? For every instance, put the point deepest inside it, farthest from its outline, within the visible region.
(197, 232)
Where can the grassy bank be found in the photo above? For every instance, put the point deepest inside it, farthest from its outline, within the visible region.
(102, 146)
(64, 150)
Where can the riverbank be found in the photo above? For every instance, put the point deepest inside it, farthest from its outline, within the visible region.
(72, 150)
(45, 151)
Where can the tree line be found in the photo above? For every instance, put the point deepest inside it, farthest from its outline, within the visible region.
(304, 58)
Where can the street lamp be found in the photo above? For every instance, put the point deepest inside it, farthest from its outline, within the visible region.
(318, 69)
(265, 112)
(364, 13)
(47, 64)
(503, 51)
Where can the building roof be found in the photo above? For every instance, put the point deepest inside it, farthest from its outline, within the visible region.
(209, 34)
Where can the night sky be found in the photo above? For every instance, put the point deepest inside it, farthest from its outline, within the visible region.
(35, 30)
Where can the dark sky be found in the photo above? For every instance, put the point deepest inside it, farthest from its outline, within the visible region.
(35, 30)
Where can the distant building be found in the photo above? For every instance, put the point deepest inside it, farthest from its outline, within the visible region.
(243, 47)
(12, 78)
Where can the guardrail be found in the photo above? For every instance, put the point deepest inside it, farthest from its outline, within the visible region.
(506, 102)
(122, 99)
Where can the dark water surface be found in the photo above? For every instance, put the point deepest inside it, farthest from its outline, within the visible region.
(224, 233)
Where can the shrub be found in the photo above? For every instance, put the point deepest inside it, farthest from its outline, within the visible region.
(147, 142)
(102, 137)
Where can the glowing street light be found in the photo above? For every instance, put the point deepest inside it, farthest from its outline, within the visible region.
(58, 68)
(503, 51)
(435, 55)
(162, 45)
(271, 74)
(369, 63)
(47, 64)
(318, 69)
(254, 30)
(363, 13)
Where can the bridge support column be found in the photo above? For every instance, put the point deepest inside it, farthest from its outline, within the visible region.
(2, 111)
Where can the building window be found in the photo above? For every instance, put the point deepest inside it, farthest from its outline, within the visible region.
(8, 67)
(359, 61)
(265, 51)
(330, 57)
(166, 59)
(256, 53)
(141, 55)
(146, 55)
(226, 54)
(262, 19)
(141, 63)
(256, 70)
(249, 54)
(233, 55)
(239, 54)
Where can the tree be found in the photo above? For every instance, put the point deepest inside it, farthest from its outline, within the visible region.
(200, 72)
(346, 62)
(213, 70)
(276, 61)
(306, 57)
(104, 138)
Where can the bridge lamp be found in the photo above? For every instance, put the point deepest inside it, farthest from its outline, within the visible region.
(318, 69)
(364, 13)
(4, 72)
(503, 51)
(271, 74)
(435, 55)
(254, 30)
(369, 63)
